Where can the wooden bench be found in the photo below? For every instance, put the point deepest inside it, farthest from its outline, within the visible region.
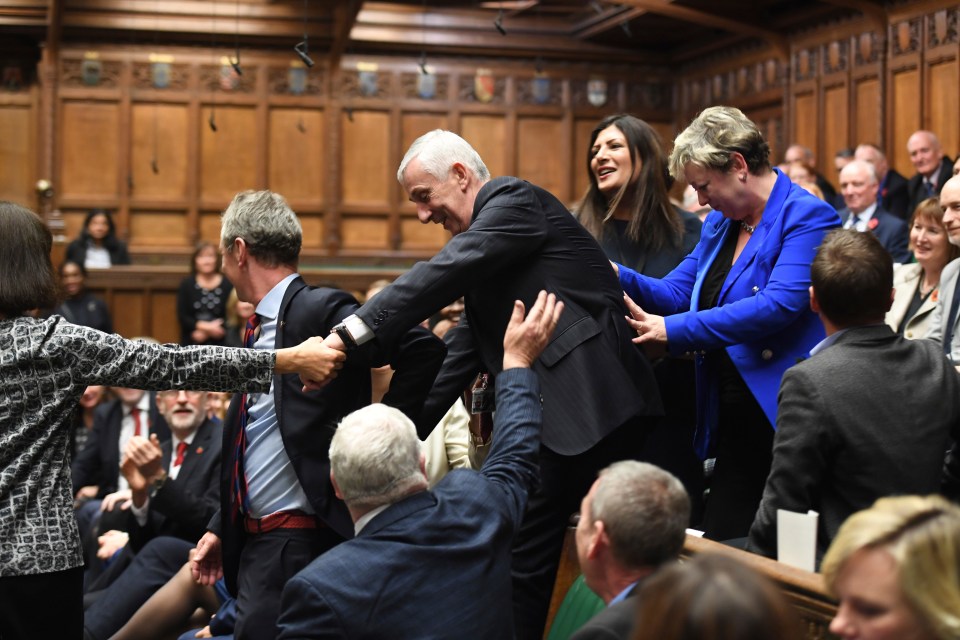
(804, 590)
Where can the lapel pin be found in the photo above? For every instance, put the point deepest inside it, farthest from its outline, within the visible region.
(198, 450)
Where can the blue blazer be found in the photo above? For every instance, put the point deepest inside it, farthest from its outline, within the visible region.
(435, 564)
(763, 317)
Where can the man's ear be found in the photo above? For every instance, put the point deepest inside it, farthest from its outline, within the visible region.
(599, 540)
(239, 249)
(462, 175)
(336, 489)
(814, 304)
(423, 465)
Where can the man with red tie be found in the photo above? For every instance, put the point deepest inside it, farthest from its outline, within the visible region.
(278, 510)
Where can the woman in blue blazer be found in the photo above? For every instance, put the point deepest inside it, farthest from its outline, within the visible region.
(739, 303)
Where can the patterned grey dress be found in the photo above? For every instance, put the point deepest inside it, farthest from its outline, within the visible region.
(45, 365)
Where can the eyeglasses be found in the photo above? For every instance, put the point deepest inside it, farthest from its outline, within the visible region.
(174, 393)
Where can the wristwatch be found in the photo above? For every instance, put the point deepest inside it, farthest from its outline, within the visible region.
(353, 332)
(156, 484)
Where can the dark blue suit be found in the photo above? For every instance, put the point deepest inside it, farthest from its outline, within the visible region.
(890, 230)
(437, 563)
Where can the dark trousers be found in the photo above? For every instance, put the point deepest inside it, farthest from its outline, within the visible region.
(564, 481)
(267, 561)
(744, 454)
(43, 605)
(151, 568)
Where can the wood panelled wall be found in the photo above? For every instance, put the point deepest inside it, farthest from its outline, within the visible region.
(152, 155)
(862, 81)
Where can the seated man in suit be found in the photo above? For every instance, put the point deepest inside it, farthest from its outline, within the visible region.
(632, 522)
(800, 153)
(891, 186)
(427, 563)
(847, 432)
(858, 183)
(933, 168)
(174, 489)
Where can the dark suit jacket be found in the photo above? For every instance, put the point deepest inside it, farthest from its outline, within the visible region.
(77, 252)
(655, 264)
(849, 431)
(613, 623)
(308, 420)
(890, 230)
(521, 240)
(894, 196)
(915, 190)
(183, 507)
(446, 549)
(98, 463)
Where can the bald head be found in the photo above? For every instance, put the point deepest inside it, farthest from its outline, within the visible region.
(858, 184)
(874, 155)
(925, 152)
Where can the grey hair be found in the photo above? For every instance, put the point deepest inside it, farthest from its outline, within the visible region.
(375, 457)
(267, 224)
(866, 166)
(932, 137)
(438, 150)
(645, 512)
(713, 136)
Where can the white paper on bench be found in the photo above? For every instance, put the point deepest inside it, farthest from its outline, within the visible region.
(797, 538)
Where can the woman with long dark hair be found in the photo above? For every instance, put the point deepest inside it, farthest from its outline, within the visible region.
(97, 246)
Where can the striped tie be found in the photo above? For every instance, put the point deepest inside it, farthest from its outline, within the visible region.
(242, 503)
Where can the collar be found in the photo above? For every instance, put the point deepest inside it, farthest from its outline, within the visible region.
(827, 342)
(269, 306)
(143, 404)
(189, 439)
(866, 214)
(933, 177)
(365, 519)
(623, 594)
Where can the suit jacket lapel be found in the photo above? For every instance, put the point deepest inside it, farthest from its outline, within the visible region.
(192, 459)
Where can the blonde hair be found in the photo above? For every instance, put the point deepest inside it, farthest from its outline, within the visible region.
(922, 534)
(713, 136)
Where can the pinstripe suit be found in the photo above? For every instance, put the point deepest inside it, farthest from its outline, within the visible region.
(521, 240)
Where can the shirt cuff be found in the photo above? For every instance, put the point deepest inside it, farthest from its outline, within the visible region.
(358, 329)
(140, 513)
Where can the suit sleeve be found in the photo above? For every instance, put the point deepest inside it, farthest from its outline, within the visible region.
(800, 459)
(192, 507)
(305, 614)
(512, 464)
(509, 228)
(459, 368)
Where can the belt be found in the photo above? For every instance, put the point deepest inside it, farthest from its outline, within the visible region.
(282, 520)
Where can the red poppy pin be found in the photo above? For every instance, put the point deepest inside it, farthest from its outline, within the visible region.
(873, 224)
(199, 450)
(935, 295)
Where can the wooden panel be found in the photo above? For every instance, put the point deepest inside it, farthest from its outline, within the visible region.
(17, 153)
(296, 158)
(581, 143)
(210, 227)
(422, 236)
(366, 168)
(487, 134)
(835, 130)
(944, 105)
(127, 308)
(312, 231)
(164, 325)
(364, 233)
(804, 122)
(228, 155)
(90, 150)
(159, 133)
(159, 229)
(866, 123)
(905, 118)
(539, 159)
(414, 125)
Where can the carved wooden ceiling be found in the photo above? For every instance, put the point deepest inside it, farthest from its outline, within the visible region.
(667, 32)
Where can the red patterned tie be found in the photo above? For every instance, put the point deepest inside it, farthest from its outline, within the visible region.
(240, 445)
(181, 451)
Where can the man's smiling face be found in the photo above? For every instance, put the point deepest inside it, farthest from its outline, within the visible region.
(441, 201)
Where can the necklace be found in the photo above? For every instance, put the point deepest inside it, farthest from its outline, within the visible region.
(749, 228)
